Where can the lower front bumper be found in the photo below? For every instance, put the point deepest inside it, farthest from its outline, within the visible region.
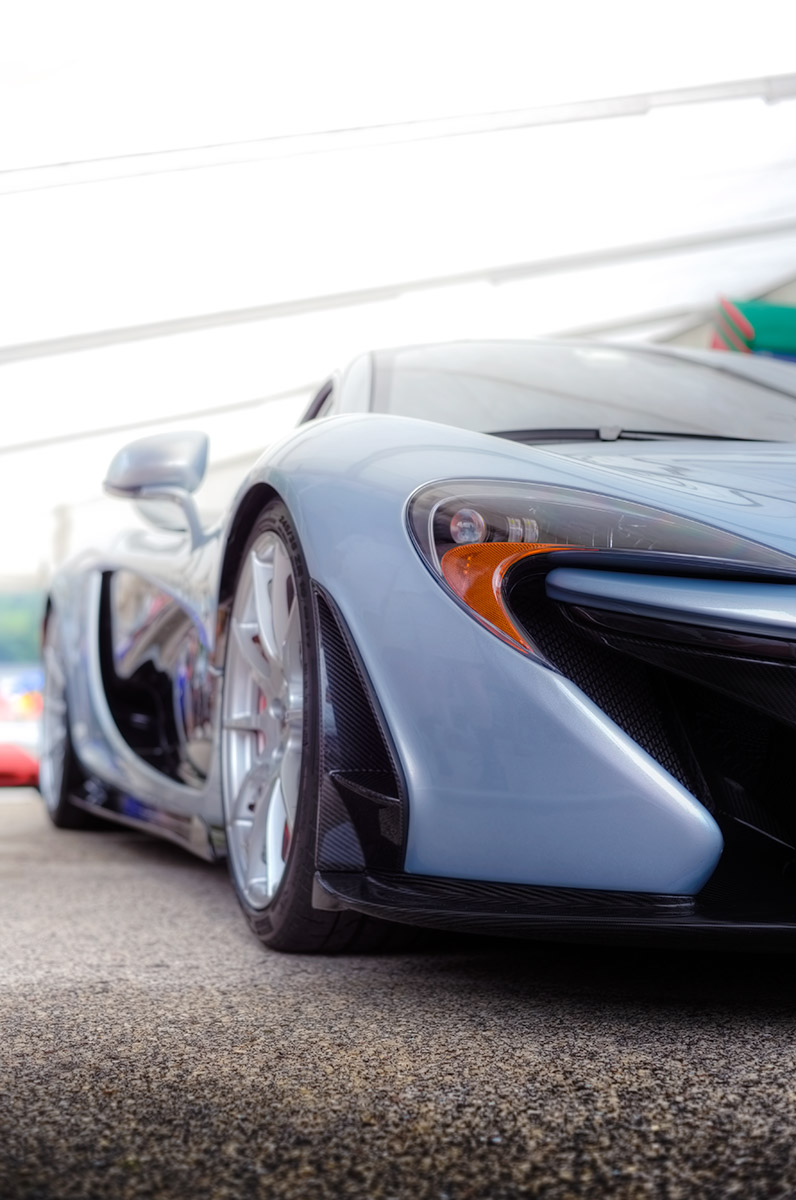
(564, 914)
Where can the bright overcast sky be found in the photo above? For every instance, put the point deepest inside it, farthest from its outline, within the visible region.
(92, 79)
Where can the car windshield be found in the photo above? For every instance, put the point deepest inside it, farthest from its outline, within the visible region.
(515, 387)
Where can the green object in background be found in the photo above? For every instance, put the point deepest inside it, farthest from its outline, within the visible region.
(21, 615)
(755, 327)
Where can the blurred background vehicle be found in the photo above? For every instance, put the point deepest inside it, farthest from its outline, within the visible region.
(21, 681)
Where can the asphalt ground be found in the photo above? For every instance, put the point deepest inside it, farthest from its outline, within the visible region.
(150, 1047)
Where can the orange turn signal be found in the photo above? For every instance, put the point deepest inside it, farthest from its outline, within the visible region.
(475, 572)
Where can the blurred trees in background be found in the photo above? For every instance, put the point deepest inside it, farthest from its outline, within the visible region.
(21, 616)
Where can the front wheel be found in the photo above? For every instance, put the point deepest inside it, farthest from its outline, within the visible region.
(269, 749)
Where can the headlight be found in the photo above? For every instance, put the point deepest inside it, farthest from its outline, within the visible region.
(471, 533)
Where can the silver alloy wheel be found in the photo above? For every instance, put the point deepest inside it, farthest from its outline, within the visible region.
(262, 720)
(54, 743)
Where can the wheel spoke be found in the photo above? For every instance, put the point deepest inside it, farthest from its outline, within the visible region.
(245, 633)
(262, 577)
(283, 598)
(249, 796)
(257, 857)
(290, 775)
(245, 722)
(274, 835)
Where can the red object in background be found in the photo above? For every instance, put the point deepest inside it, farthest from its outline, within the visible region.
(17, 768)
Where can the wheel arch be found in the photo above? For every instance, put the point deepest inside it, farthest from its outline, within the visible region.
(247, 512)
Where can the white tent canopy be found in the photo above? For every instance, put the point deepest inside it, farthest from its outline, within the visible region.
(142, 283)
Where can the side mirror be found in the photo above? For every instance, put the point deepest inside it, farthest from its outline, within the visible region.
(160, 473)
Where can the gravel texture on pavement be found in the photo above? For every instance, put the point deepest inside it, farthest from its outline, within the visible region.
(151, 1048)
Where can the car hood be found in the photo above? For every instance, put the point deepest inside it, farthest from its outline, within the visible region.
(748, 487)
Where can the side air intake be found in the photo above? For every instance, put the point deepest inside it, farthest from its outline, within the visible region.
(362, 802)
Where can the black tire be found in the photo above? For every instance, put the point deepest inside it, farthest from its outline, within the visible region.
(59, 771)
(287, 920)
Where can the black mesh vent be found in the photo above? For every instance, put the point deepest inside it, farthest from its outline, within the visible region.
(721, 721)
(767, 686)
(627, 691)
(361, 809)
(739, 712)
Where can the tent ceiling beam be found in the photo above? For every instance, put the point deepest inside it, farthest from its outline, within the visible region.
(503, 274)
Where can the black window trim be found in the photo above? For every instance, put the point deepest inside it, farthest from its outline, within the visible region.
(318, 401)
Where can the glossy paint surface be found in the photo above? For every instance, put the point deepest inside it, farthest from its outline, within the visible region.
(512, 773)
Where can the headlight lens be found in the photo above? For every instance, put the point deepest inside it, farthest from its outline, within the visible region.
(472, 532)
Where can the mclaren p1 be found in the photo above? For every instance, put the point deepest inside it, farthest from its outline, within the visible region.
(502, 637)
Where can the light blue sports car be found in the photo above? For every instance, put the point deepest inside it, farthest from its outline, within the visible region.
(502, 637)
